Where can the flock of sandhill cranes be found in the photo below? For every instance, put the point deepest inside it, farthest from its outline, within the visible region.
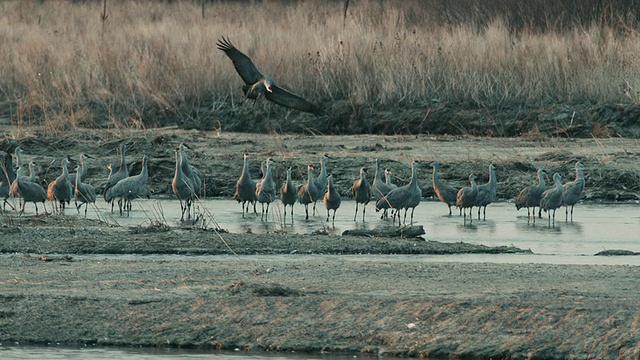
(388, 196)
(122, 188)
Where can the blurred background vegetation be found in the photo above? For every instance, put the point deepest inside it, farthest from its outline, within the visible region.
(496, 68)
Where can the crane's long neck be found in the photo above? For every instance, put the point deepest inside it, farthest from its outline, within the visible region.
(83, 169)
(492, 176)
(541, 183)
(183, 158)
(32, 172)
(65, 170)
(144, 173)
(378, 170)
(19, 157)
(245, 166)
(414, 175)
(269, 175)
(558, 182)
(123, 162)
(310, 177)
(178, 171)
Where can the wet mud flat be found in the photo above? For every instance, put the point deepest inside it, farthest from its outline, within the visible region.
(323, 303)
(79, 281)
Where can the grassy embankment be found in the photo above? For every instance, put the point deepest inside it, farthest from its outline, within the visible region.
(392, 67)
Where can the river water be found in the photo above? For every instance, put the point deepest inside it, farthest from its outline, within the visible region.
(595, 227)
(102, 353)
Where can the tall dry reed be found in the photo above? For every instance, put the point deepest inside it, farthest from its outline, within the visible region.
(155, 63)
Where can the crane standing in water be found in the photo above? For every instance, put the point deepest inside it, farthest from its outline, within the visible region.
(246, 188)
(466, 198)
(288, 194)
(572, 191)
(551, 199)
(529, 197)
(445, 192)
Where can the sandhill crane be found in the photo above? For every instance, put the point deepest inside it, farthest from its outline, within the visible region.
(466, 197)
(445, 192)
(321, 181)
(529, 197)
(308, 193)
(129, 188)
(82, 170)
(572, 191)
(361, 191)
(121, 173)
(257, 84)
(182, 186)
(60, 189)
(7, 176)
(22, 170)
(84, 193)
(379, 187)
(190, 171)
(387, 179)
(551, 199)
(288, 194)
(331, 199)
(266, 189)
(390, 186)
(31, 191)
(405, 197)
(13, 189)
(487, 192)
(246, 188)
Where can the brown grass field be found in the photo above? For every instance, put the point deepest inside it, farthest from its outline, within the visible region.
(385, 67)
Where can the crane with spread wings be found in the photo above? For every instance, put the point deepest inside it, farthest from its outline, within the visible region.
(257, 84)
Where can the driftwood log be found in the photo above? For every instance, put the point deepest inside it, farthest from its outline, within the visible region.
(388, 231)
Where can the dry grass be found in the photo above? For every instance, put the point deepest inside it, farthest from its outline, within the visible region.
(155, 63)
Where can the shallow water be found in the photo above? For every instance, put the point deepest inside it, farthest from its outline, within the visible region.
(98, 353)
(595, 227)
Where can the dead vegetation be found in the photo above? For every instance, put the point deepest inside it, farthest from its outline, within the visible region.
(457, 67)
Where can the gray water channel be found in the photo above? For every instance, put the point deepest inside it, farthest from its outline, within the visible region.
(595, 227)
(99, 353)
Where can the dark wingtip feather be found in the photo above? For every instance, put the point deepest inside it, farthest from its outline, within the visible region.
(224, 44)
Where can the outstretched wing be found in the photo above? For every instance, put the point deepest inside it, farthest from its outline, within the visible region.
(244, 66)
(287, 99)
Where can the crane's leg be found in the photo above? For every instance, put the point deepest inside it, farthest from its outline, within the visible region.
(356, 214)
(571, 213)
(364, 210)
